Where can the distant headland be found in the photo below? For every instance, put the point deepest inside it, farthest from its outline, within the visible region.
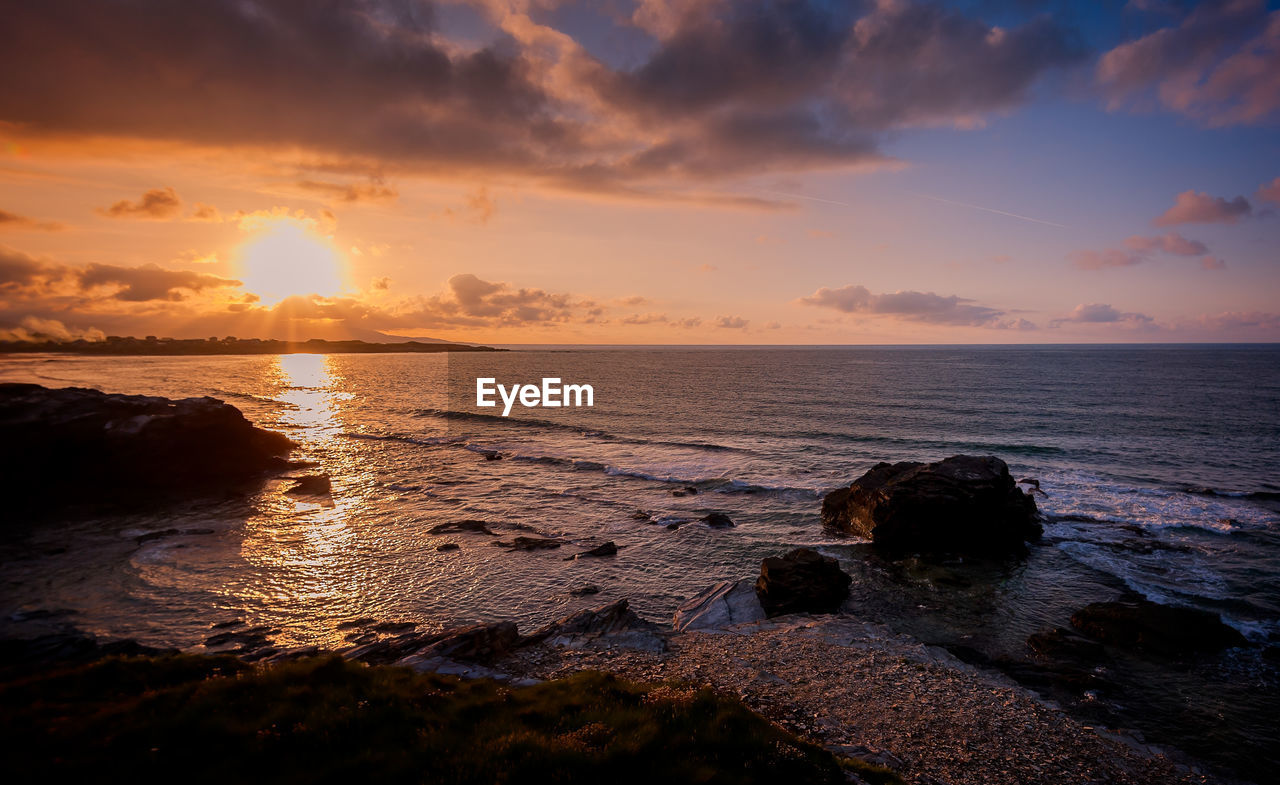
(151, 345)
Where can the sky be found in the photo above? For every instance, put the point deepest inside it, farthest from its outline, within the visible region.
(641, 171)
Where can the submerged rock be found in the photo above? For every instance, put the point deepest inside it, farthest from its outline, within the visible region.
(718, 520)
(723, 605)
(73, 446)
(474, 527)
(311, 485)
(1152, 627)
(802, 581)
(964, 504)
(607, 549)
(530, 543)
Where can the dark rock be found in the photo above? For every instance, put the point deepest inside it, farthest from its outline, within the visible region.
(22, 655)
(294, 653)
(718, 520)
(1063, 644)
(448, 546)
(75, 446)
(242, 642)
(353, 624)
(676, 525)
(481, 642)
(157, 535)
(1151, 627)
(311, 485)
(612, 624)
(584, 589)
(493, 456)
(802, 581)
(475, 527)
(608, 549)
(687, 490)
(640, 515)
(964, 504)
(530, 544)
(477, 642)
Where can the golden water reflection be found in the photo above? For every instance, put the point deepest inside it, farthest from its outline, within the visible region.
(301, 549)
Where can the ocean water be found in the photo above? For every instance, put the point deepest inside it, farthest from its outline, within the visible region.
(1160, 467)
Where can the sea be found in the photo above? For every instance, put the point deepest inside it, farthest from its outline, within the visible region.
(1159, 466)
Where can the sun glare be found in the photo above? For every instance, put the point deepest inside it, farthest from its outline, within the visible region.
(286, 258)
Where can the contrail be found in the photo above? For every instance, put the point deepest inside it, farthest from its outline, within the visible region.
(802, 196)
(922, 196)
(989, 210)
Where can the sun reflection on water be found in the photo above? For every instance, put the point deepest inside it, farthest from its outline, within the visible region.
(303, 548)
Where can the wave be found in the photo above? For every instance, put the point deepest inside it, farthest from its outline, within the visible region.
(947, 446)
(429, 441)
(530, 422)
(1199, 490)
(255, 398)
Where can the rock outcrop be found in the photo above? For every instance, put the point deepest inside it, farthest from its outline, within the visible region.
(802, 581)
(607, 626)
(964, 504)
(72, 446)
(723, 605)
(1152, 627)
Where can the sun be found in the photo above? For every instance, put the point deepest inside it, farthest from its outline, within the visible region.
(285, 257)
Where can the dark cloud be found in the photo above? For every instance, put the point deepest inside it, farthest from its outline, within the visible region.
(1198, 207)
(28, 278)
(731, 322)
(1220, 64)
(19, 270)
(159, 203)
(472, 301)
(924, 307)
(149, 282)
(742, 88)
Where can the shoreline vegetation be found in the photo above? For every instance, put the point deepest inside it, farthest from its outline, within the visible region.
(129, 346)
(804, 698)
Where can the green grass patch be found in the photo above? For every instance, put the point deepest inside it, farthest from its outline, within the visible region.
(213, 719)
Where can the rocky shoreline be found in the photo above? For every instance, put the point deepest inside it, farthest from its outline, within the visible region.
(848, 685)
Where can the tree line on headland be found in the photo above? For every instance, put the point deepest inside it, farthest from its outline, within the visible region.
(151, 345)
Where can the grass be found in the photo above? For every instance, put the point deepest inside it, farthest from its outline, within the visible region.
(192, 719)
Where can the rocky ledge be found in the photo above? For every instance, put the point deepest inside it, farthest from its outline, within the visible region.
(76, 446)
(963, 504)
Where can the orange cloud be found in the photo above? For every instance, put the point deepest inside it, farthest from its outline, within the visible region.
(158, 203)
(10, 220)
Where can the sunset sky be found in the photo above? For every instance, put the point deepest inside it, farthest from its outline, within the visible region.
(642, 171)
